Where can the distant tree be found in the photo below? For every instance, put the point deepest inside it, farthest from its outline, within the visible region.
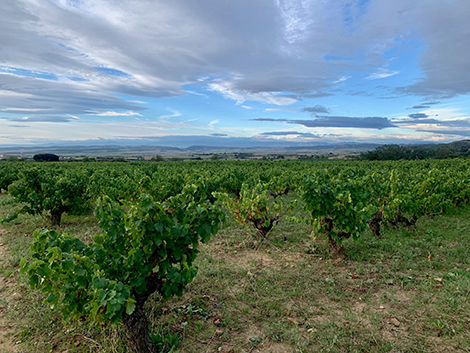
(397, 152)
(157, 158)
(12, 159)
(445, 152)
(119, 159)
(215, 157)
(88, 159)
(243, 155)
(46, 157)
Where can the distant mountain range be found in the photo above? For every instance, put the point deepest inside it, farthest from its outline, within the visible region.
(117, 150)
(148, 150)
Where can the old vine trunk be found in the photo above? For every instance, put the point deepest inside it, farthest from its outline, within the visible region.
(137, 331)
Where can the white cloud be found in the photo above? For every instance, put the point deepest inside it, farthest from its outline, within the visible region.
(112, 113)
(197, 94)
(174, 114)
(342, 79)
(138, 102)
(212, 123)
(297, 19)
(23, 110)
(382, 73)
(279, 110)
(240, 96)
(246, 107)
(49, 129)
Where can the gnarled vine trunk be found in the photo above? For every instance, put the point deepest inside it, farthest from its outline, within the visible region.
(262, 230)
(56, 217)
(403, 220)
(137, 324)
(335, 249)
(374, 224)
(137, 332)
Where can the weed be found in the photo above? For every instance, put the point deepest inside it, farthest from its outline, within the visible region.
(166, 342)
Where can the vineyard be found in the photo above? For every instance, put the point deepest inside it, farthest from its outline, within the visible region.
(240, 256)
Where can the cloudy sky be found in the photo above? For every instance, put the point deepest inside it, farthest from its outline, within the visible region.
(242, 72)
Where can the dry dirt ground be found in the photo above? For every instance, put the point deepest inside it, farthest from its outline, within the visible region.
(7, 295)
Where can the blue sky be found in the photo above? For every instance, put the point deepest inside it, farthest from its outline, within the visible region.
(241, 73)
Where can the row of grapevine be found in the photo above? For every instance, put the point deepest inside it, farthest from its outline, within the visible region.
(339, 197)
(153, 218)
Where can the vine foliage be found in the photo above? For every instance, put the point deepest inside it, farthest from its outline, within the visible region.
(146, 247)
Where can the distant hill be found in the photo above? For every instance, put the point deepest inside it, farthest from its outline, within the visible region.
(459, 146)
(338, 147)
(366, 151)
(434, 151)
(127, 150)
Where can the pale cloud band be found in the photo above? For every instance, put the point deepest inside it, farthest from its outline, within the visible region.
(113, 113)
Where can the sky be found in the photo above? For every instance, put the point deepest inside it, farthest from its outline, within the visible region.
(234, 73)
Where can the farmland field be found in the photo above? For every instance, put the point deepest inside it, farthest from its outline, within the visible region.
(339, 256)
